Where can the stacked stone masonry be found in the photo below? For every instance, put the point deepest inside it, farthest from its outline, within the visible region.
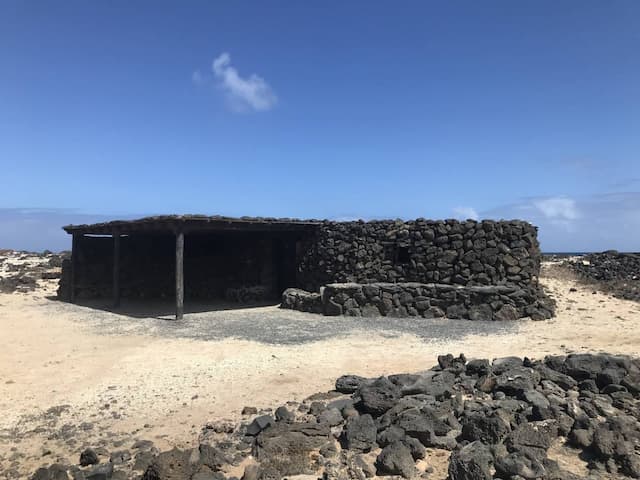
(425, 251)
(477, 270)
(434, 300)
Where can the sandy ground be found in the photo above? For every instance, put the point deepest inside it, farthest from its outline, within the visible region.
(73, 376)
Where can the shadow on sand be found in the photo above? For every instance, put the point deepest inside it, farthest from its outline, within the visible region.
(262, 323)
(164, 309)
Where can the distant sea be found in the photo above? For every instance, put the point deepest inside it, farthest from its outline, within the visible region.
(565, 254)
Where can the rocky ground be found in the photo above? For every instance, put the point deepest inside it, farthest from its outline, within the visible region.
(564, 418)
(611, 271)
(27, 271)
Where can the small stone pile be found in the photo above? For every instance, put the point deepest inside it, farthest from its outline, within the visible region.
(615, 272)
(492, 420)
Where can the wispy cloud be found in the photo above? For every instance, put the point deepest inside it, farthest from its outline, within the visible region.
(584, 223)
(557, 208)
(244, 94)
(464, 213)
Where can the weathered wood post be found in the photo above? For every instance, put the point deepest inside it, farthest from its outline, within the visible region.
(179, 274)
(74, 266)
(116, 268)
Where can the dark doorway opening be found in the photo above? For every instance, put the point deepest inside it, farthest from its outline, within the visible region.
(239, 266)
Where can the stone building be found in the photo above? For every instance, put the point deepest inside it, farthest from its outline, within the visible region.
(478, 270)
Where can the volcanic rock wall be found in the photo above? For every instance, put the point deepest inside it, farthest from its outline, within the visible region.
(417, 264)
(426, 251)
(432, 300)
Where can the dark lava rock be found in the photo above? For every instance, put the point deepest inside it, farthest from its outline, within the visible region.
(517, 380)
(396, 459)
(89, 457)
(517, 463)
(478, 367)
(630, 465)
(439, 385)
(119, 457)
(331, 416)
(418, 451)
(53, 472)
(284, 415)
(173, 464)
(428, 427)
(564, 381)
(533, 434)
(582, 366)
(536, 399)
(294, 440)
(501, 365)
(360, 433)
(259, 424)
(506, 313)
(588, 385)
(142, 460)
(471, 462)
(212, 457)
(377, 397)
(404, 379)
(448, 361)
(389, 435)
(285, 448)
(489, 429)
(316, 408)
(100, 472)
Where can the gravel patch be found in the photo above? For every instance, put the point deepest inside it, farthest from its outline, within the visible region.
(270, 324)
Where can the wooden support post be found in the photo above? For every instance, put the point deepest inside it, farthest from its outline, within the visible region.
(116, 269)
(179, 275)
(74, 266)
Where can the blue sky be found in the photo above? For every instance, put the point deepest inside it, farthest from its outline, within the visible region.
(494, 109)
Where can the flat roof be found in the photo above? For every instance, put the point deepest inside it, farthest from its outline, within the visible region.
(191, 223)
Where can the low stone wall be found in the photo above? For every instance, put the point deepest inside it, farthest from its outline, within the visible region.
(428, 300)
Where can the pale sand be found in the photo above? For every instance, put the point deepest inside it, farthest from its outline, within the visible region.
(165, 388)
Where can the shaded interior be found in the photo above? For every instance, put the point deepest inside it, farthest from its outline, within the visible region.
(232, 265)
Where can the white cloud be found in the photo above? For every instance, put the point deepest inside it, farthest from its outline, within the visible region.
(557, 208)
(464, 213)
(584, 223)
(252, 93)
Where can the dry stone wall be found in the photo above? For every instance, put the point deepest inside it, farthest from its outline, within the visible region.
(434, 300)
(484, 270)
(425, 251)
